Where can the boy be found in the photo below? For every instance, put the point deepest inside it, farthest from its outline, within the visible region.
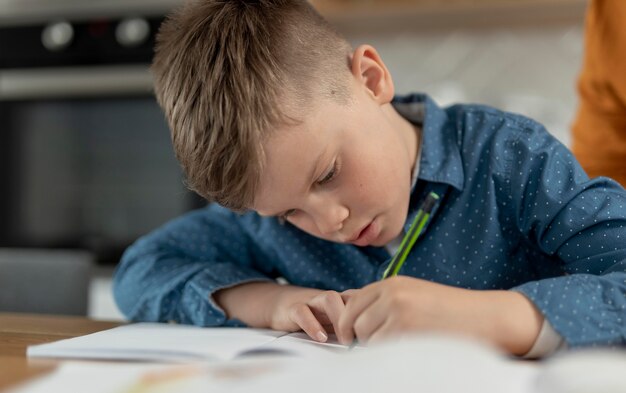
(274, 115)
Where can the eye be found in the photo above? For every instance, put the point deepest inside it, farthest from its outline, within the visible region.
(327, 178)
(331, 174)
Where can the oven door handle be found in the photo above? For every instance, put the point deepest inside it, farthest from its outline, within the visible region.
(74, 82)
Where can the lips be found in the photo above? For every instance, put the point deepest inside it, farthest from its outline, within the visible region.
(367, 234)
(360, 233)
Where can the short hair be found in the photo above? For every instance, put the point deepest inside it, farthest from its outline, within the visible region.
(222, 71)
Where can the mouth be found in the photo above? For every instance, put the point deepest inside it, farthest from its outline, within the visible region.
(360, 232)
(366, 235)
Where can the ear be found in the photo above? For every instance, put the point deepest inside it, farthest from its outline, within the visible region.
(370, 72)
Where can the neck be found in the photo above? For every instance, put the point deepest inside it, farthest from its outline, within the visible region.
(409, 133)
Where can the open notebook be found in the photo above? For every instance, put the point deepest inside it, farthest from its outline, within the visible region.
(420, 363)
(182, 343)
(424, 363)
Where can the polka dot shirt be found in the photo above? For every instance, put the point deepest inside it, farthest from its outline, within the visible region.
(515, 212)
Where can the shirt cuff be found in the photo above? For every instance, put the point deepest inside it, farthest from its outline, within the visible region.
(548, 341)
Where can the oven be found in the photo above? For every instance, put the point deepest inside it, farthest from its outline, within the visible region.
(85, 155)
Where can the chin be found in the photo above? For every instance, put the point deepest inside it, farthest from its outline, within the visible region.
(382, 240)
(387, 235)
(379, 243)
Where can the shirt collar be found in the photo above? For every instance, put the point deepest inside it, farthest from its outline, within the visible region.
(440, 156)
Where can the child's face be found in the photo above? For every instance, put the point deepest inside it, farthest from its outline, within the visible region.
(344, 173)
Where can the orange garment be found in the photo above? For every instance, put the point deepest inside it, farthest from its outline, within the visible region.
(599, 130)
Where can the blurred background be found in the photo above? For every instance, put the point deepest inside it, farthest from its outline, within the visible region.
(86, 164)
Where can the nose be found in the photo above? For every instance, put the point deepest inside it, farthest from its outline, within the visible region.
(328, 215)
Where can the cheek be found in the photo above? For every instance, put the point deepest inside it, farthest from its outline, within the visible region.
(304, 224)
(373, 181)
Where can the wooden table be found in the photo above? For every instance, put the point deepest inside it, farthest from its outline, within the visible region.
(18, 331)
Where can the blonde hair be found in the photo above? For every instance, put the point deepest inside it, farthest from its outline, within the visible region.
(222, 69)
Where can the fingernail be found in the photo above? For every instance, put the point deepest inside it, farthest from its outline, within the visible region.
(321, 336)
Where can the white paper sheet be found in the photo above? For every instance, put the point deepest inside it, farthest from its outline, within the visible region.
(181, 343)
(421, 364)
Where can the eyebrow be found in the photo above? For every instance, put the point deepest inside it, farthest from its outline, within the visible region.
(311, 177)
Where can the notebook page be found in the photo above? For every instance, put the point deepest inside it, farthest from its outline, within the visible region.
(158, 342)
(424, 363)
(300, 344)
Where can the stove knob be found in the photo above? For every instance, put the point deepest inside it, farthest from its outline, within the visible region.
(132, 32)
(57, 36)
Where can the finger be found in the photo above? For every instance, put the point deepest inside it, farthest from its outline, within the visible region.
(330, 304)
(370, 320)
(353, 309)
(385, 332)
(347, 294)
(302, 315)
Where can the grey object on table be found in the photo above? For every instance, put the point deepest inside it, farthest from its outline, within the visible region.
(46, 281)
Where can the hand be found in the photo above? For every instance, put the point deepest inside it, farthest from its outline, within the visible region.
(402, 304)
(314, 311)
(283, 307)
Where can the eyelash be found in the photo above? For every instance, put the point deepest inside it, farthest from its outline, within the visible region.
(328, 178)
(331, 175)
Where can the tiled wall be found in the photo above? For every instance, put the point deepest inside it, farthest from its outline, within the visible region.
(528, 70)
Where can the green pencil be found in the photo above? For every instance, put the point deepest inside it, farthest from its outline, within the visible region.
(411, 236)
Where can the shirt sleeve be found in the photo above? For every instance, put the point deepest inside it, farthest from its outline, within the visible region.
(171, 273)
(581, 224)
(548, 341)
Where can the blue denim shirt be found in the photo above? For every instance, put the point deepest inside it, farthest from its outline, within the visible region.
(516, 212)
